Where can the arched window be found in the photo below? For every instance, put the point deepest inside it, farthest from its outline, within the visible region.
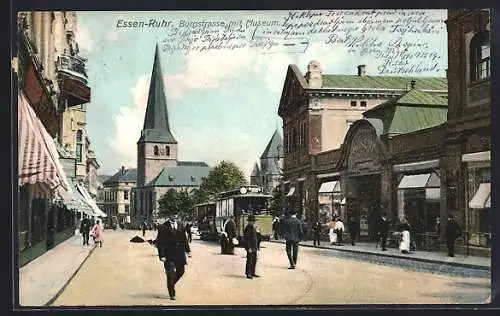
(480, 56)
(79, 145)
(167, 150)
(156, 150)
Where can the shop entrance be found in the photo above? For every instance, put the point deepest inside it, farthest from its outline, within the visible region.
(366, 207)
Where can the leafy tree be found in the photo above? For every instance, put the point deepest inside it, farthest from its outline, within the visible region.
(223, 177)
(174, 202)
(277, 202)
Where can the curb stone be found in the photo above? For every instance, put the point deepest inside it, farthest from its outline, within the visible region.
(450, 263)
(56, 296)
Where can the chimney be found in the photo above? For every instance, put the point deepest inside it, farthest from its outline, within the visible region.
(446, 70)
(313, 75)
(361, 70)
(123, 170)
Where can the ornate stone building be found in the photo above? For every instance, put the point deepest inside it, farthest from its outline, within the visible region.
(158, 167)
(317, 110)
(467, 167)
(269, 173)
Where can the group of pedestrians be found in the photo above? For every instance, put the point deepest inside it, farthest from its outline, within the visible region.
(86, 228)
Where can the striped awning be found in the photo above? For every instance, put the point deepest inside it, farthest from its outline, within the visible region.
(97, 211)
(38, 158)
(78, 202)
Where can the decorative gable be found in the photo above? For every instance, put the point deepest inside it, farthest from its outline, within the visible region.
(293, 88)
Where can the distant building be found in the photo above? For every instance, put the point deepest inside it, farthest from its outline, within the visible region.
(158, 167)
(114, 196)
(269, 173)
(317, 111)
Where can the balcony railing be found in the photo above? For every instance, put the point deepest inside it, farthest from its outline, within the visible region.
(72, 64)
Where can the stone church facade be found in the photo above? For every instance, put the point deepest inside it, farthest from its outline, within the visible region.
(158, 167)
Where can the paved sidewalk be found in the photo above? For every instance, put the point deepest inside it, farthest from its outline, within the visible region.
(481, 263)
(41, 280)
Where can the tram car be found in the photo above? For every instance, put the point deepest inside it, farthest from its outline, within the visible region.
(239, 203)
(205, 213)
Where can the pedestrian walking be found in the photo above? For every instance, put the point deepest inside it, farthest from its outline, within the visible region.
(331, 231)
(85, 229)
(251, 246)
(383, 230)
(316, 233)
(189, 233)
(452, 232)
(97, 233)
(339, 230)
(275, 228)
(172, 245)
(293, 234)
(352, 225)
(144, 227)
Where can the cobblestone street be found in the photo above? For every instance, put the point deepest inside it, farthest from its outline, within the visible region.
(124, 274)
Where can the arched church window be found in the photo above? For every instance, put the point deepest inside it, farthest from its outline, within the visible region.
(480, 56)
(155, 150)
(167, 150)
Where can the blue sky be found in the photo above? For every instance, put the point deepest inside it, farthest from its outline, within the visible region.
(222, 103)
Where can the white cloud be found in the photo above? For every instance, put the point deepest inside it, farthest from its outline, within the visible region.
(112, 35)
(129, 122)
(85, 42)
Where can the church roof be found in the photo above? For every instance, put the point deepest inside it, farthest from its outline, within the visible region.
(255, 171)
(125, 175)
(181, 176)
(272, 168)
(156, 126)
(274, 148)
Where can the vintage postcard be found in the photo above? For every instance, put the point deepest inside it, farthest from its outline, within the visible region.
(293, 157)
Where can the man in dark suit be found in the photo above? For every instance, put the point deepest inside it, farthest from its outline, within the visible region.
(293, 233)
(383, 230)
(230, 230)
(85, 229)
(316, 232)
(172, 248)
(452, 232)
(251, 246)
(353, 229)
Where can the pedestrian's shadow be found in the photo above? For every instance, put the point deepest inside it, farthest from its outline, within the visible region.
(235, 276)
(149, 295)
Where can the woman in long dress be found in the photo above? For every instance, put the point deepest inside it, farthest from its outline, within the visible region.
(404, 245)
(97, 233)
(332, 234)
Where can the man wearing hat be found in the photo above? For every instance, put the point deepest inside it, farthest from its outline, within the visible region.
(172, 247)
(251, 246)
(293, 234)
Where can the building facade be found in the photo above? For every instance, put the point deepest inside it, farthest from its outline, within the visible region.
(115, 196)
(317, 110)
(46, 192)
(267, 173)
(467, 165)
(158, 166)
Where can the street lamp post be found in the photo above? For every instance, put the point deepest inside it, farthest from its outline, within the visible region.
(280, 168)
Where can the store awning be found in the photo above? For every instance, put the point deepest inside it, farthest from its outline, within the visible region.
(291, 192)
(38, 159)
(488, 202)
(480, 199)
(97, 211)
(329, 187)
(414, 181)
(479, 156)
(433, 194)
(78, 201)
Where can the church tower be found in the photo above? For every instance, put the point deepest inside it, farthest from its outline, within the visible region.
(157, 147)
